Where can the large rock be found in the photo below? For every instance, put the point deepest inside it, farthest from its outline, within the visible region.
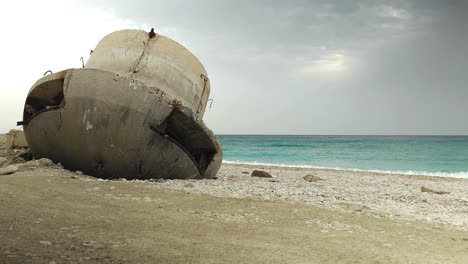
(312, 178)
(15, 139)
(261, 174)
(425, 189)
(10, 169)
(3, 161)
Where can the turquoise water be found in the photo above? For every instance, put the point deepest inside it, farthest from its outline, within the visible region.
(428, 155)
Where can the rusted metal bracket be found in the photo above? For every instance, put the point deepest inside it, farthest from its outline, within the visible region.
(211, 102)
(205, 80)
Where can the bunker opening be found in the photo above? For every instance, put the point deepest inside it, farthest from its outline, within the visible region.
(47, 96)
(190, 137)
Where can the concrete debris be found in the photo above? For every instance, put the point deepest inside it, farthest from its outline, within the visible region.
(2, 141)
(15, 139)
(3, 161)
(45, 162)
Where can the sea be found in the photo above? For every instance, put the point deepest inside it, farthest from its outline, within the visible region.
(414, 155)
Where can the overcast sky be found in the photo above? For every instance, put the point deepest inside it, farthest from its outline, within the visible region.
(276, 67)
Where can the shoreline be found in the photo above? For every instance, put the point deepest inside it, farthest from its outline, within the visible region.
(376, 171)
(416, 174)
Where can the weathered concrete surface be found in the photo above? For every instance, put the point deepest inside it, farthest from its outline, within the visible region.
(158, 62)
(15, 139)
(104, 132)
(135, 111)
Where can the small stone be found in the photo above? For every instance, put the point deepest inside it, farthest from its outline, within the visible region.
(189, 185)
(312, 178)
(45, 162)
(425, 189)
(45, 243)
(10, 169)
(245, 172)
(87, 244)
(261, 174)
(79, 172)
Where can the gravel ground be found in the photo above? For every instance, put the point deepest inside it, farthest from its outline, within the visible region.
(51, 215)
(378, 194)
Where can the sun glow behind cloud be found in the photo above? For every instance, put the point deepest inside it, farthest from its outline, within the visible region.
(333, 64)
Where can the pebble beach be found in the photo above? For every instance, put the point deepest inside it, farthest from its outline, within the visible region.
(378, 194)
(282, 215)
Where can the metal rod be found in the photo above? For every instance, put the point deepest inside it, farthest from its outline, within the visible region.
(210, 102)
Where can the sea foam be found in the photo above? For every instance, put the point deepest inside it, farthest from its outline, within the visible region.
(461, 174)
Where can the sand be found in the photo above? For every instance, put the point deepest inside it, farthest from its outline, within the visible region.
(51, 215)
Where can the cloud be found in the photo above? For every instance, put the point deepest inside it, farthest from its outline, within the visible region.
(301, 67)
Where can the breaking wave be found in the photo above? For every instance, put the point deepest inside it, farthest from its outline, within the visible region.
(461, 174)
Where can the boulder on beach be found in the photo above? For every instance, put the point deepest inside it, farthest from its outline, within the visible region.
(261, 174)
(425, 189)
(10, 169)
(312, 178)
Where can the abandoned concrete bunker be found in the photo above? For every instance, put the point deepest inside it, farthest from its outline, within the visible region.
(133, 111)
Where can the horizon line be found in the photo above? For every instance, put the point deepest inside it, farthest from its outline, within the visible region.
(381, 135)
